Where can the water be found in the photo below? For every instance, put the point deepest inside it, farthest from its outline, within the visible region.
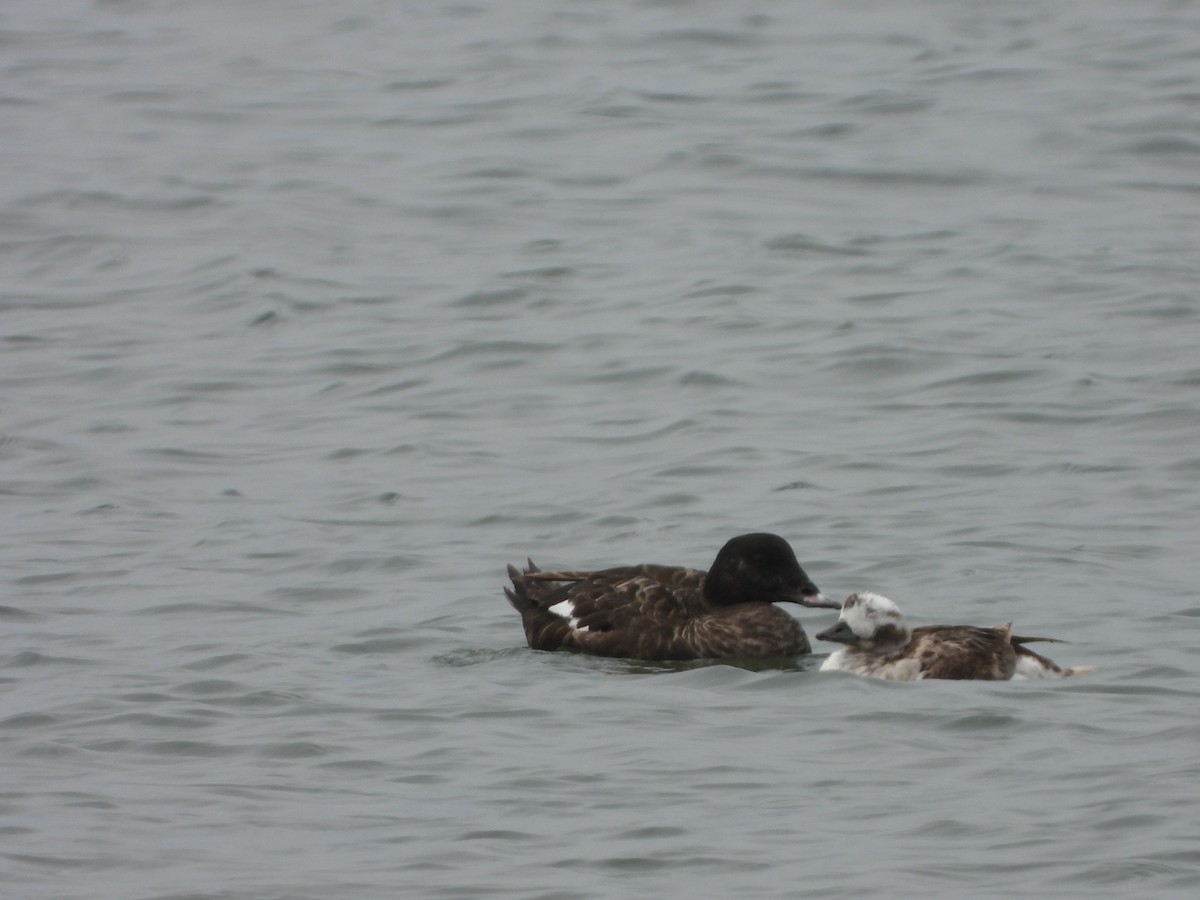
(314, 316)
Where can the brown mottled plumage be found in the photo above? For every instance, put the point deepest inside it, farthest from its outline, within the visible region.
(658, 612)
(879, 643)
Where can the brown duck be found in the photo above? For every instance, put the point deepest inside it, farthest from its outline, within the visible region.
(655, 612)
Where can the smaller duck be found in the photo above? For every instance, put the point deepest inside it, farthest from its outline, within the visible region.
(880, 644)
(654, 612)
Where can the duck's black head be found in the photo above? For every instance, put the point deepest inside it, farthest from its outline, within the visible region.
(760, 568)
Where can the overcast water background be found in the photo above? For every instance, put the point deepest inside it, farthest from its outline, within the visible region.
(315, 315)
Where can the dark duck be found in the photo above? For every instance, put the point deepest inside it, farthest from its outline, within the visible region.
(655, 612)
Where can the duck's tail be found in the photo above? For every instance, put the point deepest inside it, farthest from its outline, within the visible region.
(1036, 661)
(531, 597)
(520, 595)
(1018, 640)
(1034, 665)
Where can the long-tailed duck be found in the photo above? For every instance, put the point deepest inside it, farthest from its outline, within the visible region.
(657, 612)
(880, 643)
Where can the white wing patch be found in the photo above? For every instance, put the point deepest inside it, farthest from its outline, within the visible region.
(565, 609)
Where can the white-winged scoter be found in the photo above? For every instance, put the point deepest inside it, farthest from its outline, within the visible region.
(654, 612)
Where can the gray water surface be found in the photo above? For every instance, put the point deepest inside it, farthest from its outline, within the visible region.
(314, 316)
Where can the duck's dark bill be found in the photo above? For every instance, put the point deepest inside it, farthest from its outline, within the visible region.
(841, 633)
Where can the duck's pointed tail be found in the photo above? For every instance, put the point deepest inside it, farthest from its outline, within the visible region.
(1034, 665)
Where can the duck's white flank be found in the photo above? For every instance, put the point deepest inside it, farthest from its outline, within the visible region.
(1035, 667)
(1028, 667)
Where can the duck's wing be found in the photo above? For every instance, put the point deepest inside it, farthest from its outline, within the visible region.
(963, 652)
(594, 609)
(618, 598)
